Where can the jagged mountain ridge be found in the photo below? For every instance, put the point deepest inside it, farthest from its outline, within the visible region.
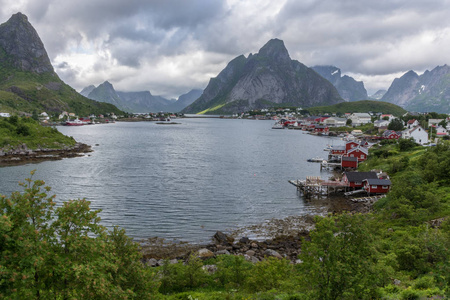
(28, 81)
(427, 92)
(138, 102)
(266, 79)
(349, 89)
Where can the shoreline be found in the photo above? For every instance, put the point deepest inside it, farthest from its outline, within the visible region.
(281, 238)
(22, 155)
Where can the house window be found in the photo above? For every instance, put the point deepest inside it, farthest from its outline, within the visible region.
(351, 155)
(362, 155)
(373, 186)
(385, 187)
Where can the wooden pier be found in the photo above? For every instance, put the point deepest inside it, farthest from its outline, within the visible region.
(315, 186)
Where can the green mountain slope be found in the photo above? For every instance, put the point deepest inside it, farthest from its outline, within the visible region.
(27, 80)
(359, 107)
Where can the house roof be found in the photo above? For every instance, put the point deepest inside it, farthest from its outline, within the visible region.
(338, 148)
(411, 121)
(360, 176)
(378, 181)
(362, 149)
(347, 158)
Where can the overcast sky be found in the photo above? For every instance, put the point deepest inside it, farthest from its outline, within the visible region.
(172, 46)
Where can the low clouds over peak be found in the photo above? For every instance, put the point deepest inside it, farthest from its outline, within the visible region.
(172, 46)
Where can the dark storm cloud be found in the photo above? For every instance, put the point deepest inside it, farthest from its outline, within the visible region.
(174, 44)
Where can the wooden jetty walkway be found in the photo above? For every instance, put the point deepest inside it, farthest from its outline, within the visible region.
(315, 186)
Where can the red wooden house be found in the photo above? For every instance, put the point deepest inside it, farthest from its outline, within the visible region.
(391, 134)
(349, 162)
(350, 145)
(337, 150)
(321, 129)
(360, 152)
(377, 186)
(355, 179)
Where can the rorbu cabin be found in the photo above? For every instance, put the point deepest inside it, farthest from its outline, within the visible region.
(349, 162)
(360, 152)
(377, 186)
(355, 179)
(391, 134)
(350, 145)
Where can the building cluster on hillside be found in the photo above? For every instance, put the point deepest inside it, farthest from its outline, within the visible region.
(324, 125)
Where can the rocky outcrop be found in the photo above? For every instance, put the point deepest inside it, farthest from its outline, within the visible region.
(13, 156)
(27, 76)
(427, 92)
(23, 48)
(266, 79)
(349, 89)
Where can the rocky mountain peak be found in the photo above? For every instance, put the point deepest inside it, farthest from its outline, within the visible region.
(275, 50)
(23, 49)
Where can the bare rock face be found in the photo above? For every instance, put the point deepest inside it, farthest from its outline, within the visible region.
(427, 92)
(348, 87)
(23, 48)
(262, 80)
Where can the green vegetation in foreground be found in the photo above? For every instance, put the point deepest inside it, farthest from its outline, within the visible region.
(15, 131)
(395, 252)
(358, 107)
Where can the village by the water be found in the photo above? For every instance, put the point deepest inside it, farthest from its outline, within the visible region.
(344, 155)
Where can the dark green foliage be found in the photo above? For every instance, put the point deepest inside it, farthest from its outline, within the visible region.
(359, 107)
(17, 131)
(232, 271)
(406, 144)
(62, 253)
(395, 124)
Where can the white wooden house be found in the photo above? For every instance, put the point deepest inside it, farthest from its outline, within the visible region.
(419, 135)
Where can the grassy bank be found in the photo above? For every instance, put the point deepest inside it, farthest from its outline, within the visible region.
(15, 131)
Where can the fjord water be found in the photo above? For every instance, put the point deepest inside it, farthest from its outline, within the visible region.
(183, 181)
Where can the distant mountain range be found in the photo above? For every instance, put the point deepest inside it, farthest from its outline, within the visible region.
(427, 92)
(138, 102)
(269, 78)
(349, 89)
(27, 80)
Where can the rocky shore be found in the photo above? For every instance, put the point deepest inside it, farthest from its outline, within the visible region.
(22, 155)
(282, 239)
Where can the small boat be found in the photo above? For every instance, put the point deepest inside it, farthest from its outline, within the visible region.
(76, 122)
(315, 159)
(278, 125)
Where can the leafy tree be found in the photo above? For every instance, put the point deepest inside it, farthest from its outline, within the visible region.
(340, 261)
(349, 122)
(64, 253)
(395, 124)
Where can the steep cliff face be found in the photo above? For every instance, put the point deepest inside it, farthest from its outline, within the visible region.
(349, 89)
(266, 79)
(27, 79)
(427, 92)
(23, 49)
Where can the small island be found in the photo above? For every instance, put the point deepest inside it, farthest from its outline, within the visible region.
(24, 140)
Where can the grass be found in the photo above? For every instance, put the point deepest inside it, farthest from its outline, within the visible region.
(17, 131)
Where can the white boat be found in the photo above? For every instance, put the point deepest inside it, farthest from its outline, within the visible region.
(278, 125)
(76, 122)
(315, 159)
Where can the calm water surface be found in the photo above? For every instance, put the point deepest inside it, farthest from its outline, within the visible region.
(182, 181)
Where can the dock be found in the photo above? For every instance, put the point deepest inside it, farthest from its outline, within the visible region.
(330, 165)
(315, 186)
